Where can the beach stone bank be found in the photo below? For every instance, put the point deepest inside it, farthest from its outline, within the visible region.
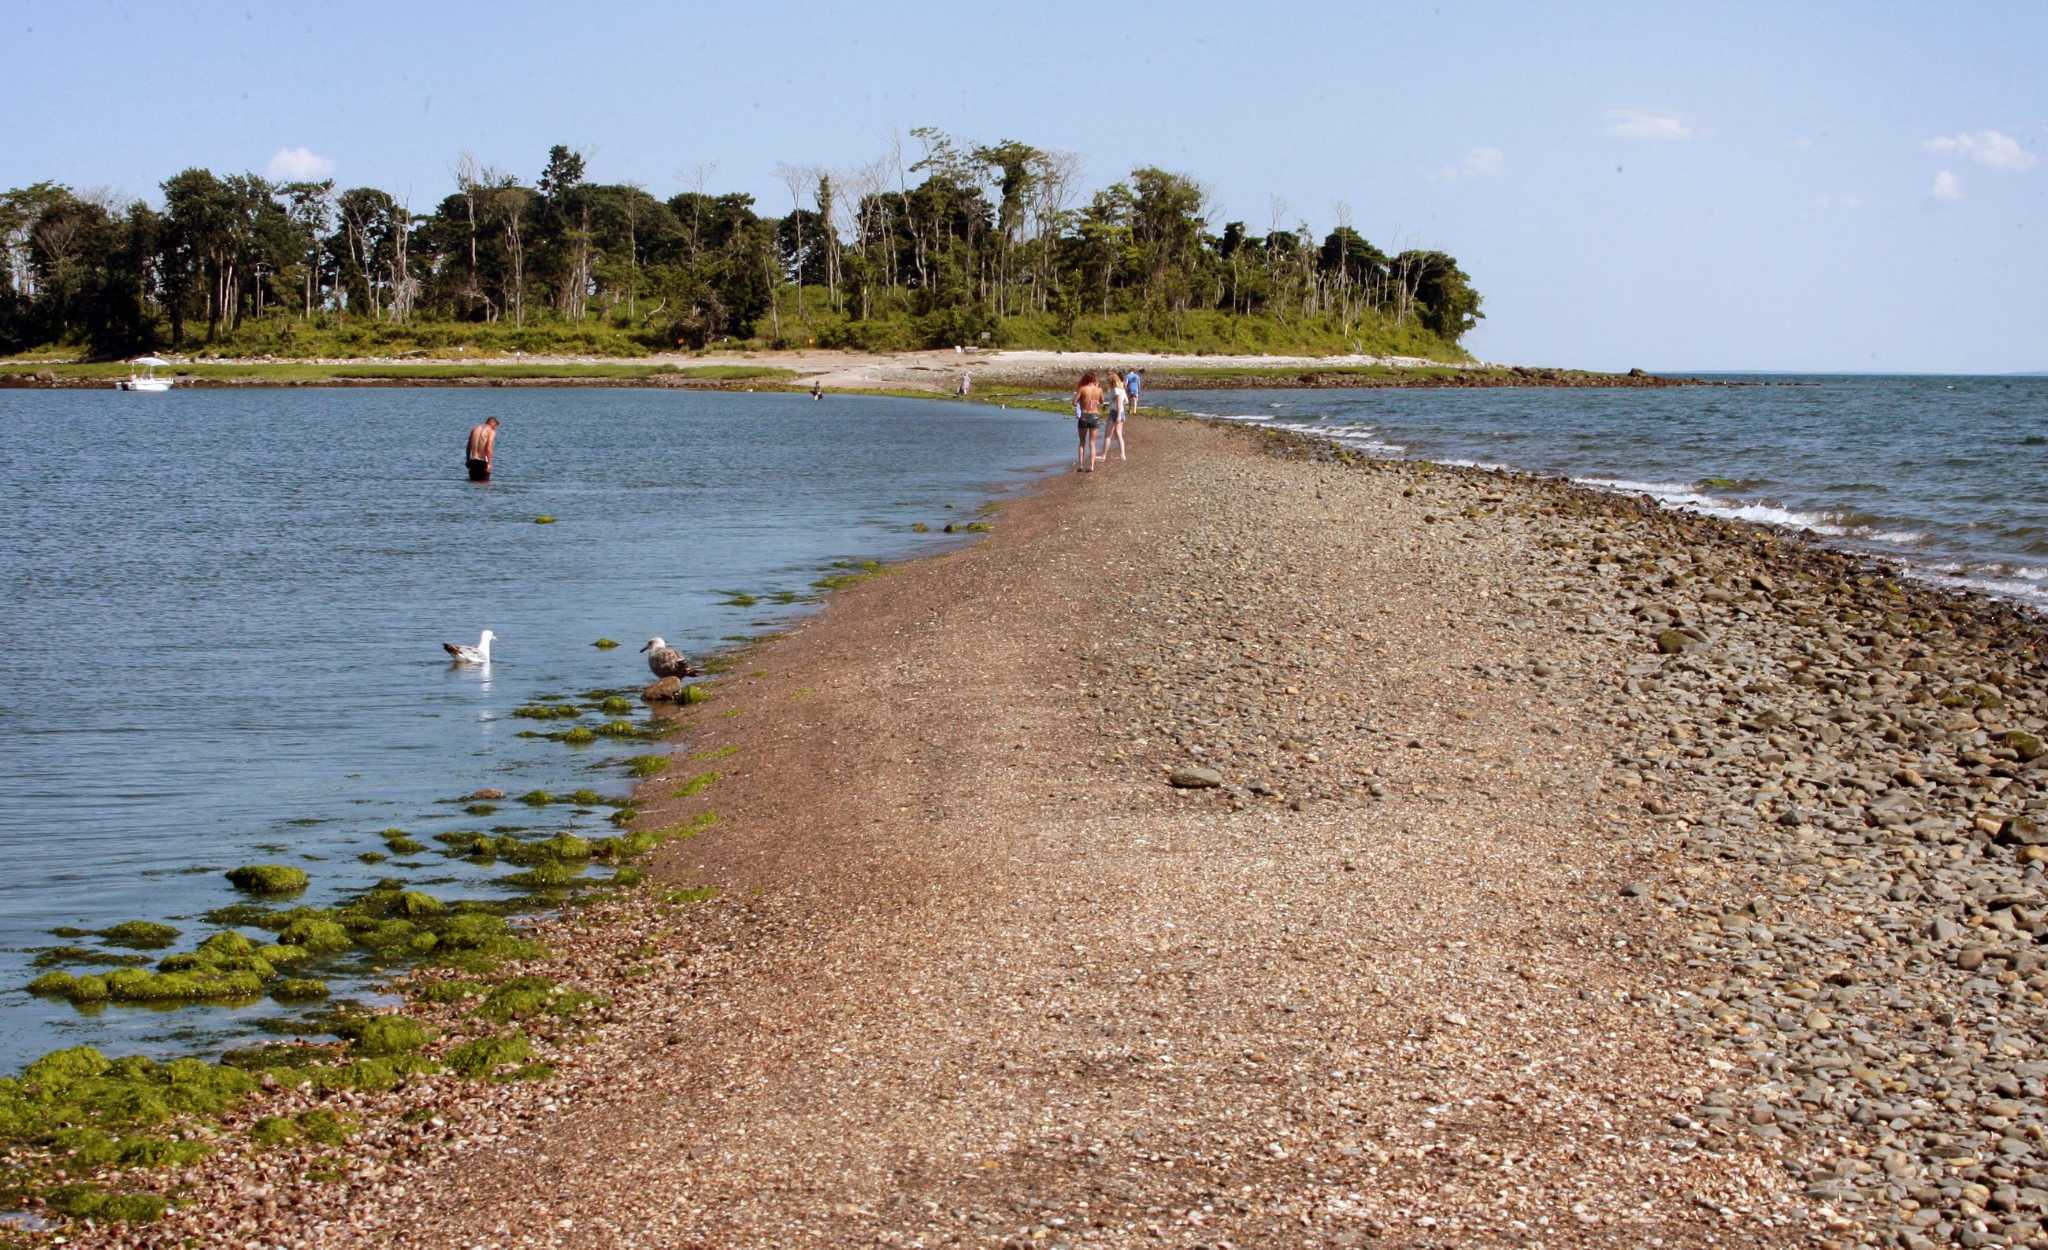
(1844, 788)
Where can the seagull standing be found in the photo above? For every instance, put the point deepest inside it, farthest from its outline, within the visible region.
(478, 654)
(665, 661)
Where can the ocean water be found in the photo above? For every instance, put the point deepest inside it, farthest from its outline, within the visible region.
(222, 614)
(1947, 475)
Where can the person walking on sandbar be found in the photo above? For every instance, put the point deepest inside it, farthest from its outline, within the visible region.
(1114, 408)
(483, 442)
(1088, 419)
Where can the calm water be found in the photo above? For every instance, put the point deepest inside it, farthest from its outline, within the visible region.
(222, 611)
(1949, 475)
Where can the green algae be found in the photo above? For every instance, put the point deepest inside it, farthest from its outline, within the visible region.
(616, 706)
(545, 876)
(618, 850)
(453, 991)
(581, 736)
(738, 598)
(646, 765)
(623, 816)
(694, 694)
(84, 1201)
(273, 1131)
(536, 798)
(543, 519)
(478, 941)
(547, 711)
(587, 798)
(919, 527)
(253, 914)
(486, 1057)
(420, 903)
(188, 983)
(373, 857)
(481, 809)
(523, 998)
(696, 785)
(625, 728)
(317, 933)
(329, 1128)
(135, 934)
(82, 1088)
(97, 1148)
(627, 877)
(715, 753)
(384, 1037)
(857, 572)
(227, 943)
(605, 644)
(299, 990)
(268, 879)
(51, 956)
(695, 894)
(404, 845)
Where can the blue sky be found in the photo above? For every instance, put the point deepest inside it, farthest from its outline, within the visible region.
(1821, 186)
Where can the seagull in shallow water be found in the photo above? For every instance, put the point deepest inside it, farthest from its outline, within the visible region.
(665, 661)
(478, 654)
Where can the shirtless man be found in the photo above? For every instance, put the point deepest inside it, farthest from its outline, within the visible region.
(1088, 418)
(483, 439)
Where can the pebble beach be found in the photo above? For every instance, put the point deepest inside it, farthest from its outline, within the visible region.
(1261, 844)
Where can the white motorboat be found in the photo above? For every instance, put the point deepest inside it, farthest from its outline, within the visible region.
(147, 379)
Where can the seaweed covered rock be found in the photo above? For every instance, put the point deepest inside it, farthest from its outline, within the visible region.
(299, 990)
(386, 1036)
(664, 690)
(487, 1056)
(138, 935)
(318, 933)
(268, 878)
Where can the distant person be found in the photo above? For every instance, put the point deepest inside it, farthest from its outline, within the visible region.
(966, 385)
(483, 443)
(1134, 381)
(1088, 418)
(817, 389)
(1114, 411)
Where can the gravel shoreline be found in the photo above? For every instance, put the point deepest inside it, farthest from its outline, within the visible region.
(1256, 844)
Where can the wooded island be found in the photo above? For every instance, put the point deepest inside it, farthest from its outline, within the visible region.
(954, 243)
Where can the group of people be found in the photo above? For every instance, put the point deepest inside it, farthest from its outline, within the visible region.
(1099, 413)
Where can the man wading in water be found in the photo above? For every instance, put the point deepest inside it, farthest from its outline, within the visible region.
(483, 439)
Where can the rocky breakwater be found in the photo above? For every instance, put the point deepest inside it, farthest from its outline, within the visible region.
(1844, 777)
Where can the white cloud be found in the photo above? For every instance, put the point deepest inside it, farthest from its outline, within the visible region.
(1986, 147)
(297, 165)
(1638, 124)
(1480, 162)
(1484, 162)
(1947, 186)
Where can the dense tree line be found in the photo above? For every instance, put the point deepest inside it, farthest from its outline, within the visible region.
(950, 241)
